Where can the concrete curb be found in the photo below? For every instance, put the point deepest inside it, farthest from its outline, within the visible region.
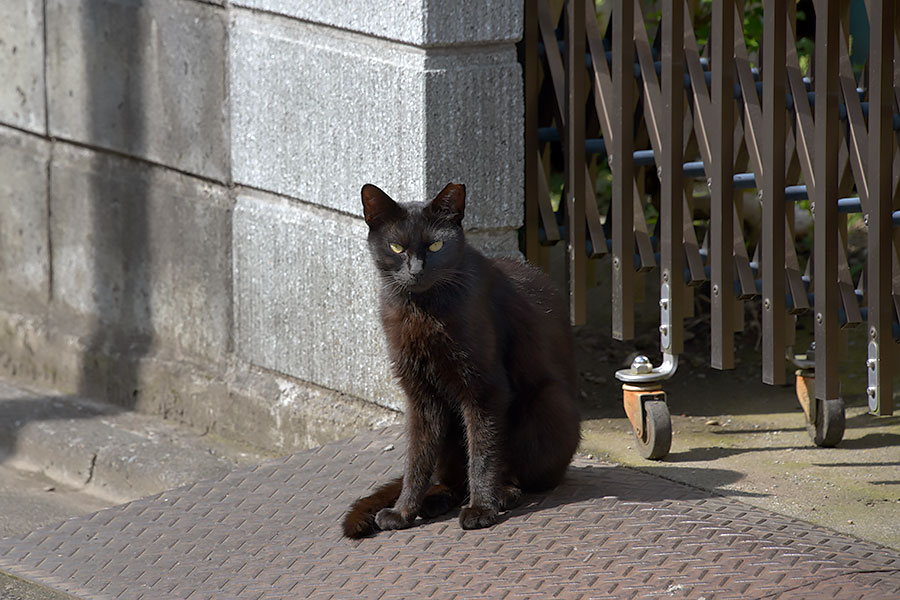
(14, 588)
(107, 451)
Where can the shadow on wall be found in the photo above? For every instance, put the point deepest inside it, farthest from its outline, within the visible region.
(118, 243)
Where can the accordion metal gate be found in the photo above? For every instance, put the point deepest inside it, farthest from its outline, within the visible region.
(619, 90)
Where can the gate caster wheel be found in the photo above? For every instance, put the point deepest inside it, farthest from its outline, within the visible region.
(648, 413)
(655, 441)
(645, 402)
(824, 418)
(828, 429)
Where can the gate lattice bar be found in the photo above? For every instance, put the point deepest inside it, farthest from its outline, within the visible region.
(672, 211)
(773, 224)
(881, 351)
(661, 101)
(721, 202)
(623, 171)
(825, 210)
(576, 195)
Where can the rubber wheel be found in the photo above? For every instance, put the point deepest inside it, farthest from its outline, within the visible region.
(657, 438)
(828, 430)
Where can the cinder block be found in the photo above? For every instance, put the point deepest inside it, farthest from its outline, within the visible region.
(496, 242)
(24, 243)
(306, 301)
(475, 118)
(22, 65)
(416, 22)
(316, 113)
(141, 255)
(142, 77)
(350, 111)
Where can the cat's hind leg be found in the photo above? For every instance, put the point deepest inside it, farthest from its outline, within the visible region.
(510, 496)
(450, 474)
(544, 438)
(439, 500)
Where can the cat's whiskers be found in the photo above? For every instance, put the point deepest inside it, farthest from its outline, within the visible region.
(391, 287)
(455, 278)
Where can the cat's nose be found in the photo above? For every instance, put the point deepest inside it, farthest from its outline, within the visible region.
(415, 265)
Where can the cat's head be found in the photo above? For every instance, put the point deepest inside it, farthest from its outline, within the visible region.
(417, 246)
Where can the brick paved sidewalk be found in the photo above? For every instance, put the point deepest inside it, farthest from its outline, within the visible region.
(608, 532)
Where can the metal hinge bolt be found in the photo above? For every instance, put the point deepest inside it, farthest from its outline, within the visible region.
(641, 364)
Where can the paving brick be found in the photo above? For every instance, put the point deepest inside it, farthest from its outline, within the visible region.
(24, 242)
(142, 77)
(141, 254)
(306, 299)
(316, 113)
(417, 22)
(22, 65)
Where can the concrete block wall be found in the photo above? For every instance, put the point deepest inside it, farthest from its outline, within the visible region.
(180, 226)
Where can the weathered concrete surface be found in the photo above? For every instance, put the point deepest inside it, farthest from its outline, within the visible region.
(416, 22)
(141, 254)
(14, 588)
(116, 250)
(22, 99)
(768, 460)
(114, 454)
(230, 398)
(475, 116)
(306, 300)
(405, 119)
(29, 500)
(293, 414)
(495, 242)
(142, 77)
(24, 238)
(738, 437)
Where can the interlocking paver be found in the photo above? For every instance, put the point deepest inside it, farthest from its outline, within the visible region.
(272, 531)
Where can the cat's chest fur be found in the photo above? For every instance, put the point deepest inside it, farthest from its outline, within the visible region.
(425, 347)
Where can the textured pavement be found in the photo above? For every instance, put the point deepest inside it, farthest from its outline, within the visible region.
(272, 531)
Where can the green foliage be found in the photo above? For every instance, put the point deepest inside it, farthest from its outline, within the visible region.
(557, 181)
(752, 26)
(753, 23)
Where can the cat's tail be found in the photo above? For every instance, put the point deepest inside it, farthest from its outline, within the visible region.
(360, 519)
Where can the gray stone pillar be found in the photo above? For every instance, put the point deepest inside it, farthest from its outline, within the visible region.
(327, 96)
(180, 221)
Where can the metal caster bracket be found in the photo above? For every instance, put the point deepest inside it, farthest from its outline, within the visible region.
(642, 370)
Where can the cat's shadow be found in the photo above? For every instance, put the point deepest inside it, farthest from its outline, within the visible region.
(611, 484)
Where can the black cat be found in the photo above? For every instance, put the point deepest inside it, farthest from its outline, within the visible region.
(483, 350)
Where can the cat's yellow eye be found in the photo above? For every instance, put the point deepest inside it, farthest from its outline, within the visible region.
(436, 246)
(397, 248)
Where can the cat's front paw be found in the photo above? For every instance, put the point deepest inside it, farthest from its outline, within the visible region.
(389, 518)
(476, 517)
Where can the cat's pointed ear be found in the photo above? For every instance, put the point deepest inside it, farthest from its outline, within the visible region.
(450, 203)
(377, 206)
